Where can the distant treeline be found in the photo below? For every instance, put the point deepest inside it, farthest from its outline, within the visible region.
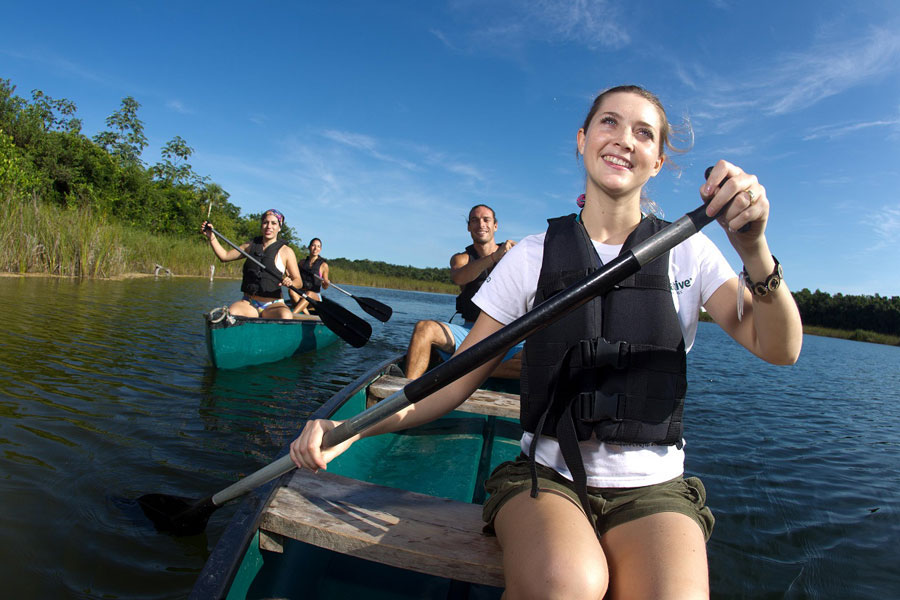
(868, 313)
(376, 267)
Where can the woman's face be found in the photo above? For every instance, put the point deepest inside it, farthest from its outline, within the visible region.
(270, 227)
(621, 148)
(315, 247)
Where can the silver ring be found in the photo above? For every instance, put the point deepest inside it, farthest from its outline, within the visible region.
(752, 195)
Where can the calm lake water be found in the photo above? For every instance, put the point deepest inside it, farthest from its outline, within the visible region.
(106, 394)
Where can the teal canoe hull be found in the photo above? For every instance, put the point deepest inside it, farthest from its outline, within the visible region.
(233, 342)
(449, 458)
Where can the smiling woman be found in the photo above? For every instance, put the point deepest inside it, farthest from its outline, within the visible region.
(263, 295)
(598, 498)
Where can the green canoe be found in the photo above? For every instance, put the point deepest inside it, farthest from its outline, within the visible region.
(234, 341)
(396, 516)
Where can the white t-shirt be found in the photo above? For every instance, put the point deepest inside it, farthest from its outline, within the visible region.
(696, 269)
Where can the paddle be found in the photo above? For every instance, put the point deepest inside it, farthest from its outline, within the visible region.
(380, 311)
(183, 516)
(345, 324)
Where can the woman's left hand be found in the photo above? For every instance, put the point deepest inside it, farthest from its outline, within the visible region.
(750, 206)
(287, 281)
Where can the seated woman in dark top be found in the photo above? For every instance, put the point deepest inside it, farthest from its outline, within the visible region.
(314, 274)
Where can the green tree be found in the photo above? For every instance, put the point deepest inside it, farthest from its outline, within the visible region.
(56, 115)
(174, 168)
(126, 139)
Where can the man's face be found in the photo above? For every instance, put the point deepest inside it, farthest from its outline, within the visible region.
(482, 225)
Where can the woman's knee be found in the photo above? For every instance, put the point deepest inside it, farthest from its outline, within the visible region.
(557, 579)
(242, 308)
(550, 549)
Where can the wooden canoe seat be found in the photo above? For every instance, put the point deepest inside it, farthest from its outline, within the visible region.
(482, 402)
(404, 529)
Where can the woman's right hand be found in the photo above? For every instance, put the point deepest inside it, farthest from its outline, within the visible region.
(307, 451)
(206, 228)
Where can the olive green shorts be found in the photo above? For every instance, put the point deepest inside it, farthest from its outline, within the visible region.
(611, 506)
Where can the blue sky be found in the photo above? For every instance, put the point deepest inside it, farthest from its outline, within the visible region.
(376, 125)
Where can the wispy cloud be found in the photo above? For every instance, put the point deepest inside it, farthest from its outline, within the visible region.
(793, 82)
(368, 145)
(178, 107)
(513, 24)
(440, 35)
(887, 224)
(62, 65)
(831, 68)
(835, 131)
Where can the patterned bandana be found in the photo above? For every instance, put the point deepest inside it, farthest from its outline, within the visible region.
(277, 214)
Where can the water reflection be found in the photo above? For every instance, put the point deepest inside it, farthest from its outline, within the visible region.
(106, 394)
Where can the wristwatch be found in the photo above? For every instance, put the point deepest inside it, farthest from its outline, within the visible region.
(761, 288)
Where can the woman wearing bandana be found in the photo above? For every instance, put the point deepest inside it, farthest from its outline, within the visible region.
(263, 296)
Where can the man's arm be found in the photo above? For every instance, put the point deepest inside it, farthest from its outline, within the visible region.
(463, 270)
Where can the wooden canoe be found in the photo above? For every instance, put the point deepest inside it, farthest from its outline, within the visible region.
(396, 516)
(234, 342)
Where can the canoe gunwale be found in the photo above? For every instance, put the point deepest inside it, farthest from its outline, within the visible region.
(223, 563)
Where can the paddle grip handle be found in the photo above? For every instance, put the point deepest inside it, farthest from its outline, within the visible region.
(706, 174)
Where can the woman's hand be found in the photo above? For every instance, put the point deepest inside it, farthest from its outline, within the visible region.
(206, 229)
(307, 451)
(287, 281)
(750, 206)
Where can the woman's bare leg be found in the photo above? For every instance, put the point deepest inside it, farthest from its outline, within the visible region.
(550, 550)
(657, 557)
(242, 308)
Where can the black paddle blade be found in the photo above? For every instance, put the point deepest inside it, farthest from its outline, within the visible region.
(177, 515)
(380, 311)
(345, 324)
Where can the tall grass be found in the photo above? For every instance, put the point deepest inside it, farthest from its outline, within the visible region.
(77, 242)
(35, 238)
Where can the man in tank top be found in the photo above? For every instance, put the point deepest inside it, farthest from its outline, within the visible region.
(468, 269)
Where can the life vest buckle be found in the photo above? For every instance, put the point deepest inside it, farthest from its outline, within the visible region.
(600, 353)
(594, 407)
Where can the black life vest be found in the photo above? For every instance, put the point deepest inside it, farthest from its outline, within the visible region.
(307, 270)
(257, 281)
(617, 364)
(614, 367)
(464, 305)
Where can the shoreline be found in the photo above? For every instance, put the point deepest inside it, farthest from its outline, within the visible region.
(855, 336)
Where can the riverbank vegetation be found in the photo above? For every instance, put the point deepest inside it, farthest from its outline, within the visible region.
(90, 207)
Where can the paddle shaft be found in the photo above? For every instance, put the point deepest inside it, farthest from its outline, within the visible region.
(598, 282)
(377, 309)
(332, 284)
